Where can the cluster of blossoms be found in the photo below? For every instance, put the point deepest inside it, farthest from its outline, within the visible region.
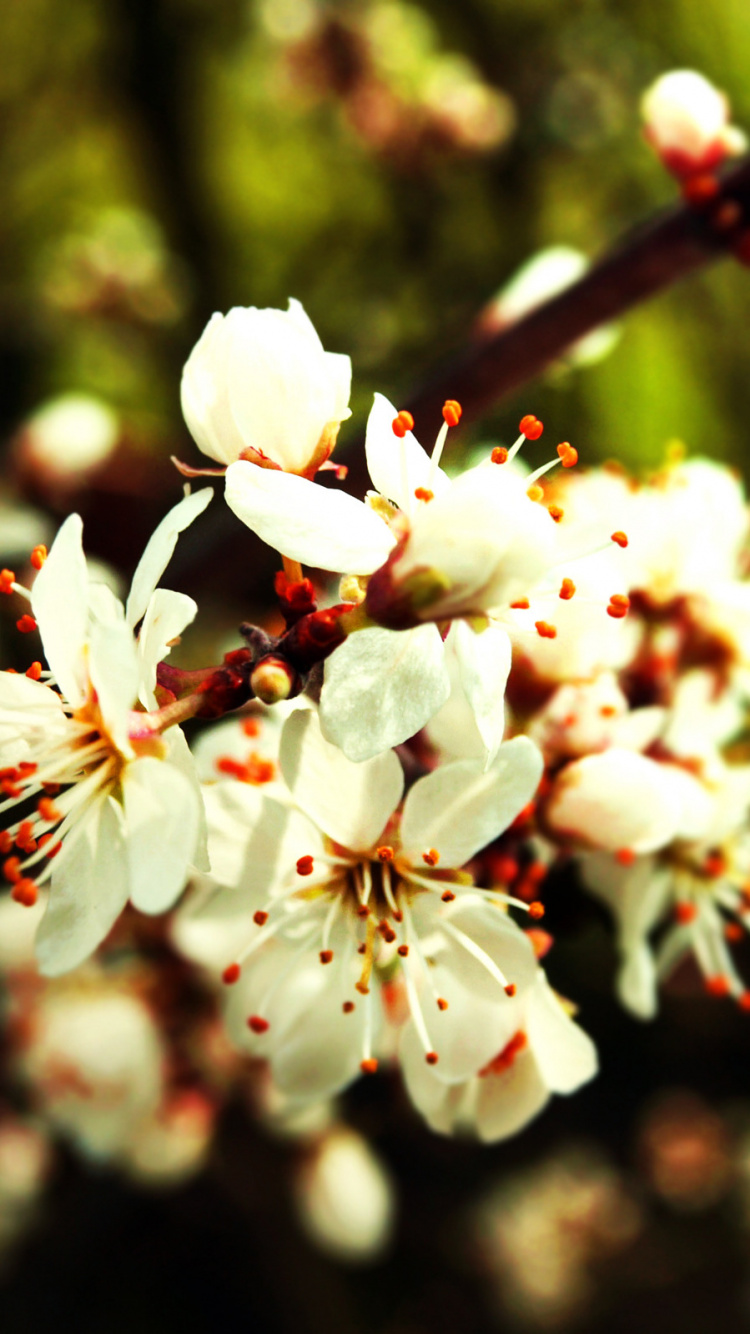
(523, 668)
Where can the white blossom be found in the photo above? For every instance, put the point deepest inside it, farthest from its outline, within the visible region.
(687, 120)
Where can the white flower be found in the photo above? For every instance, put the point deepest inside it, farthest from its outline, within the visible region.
(539, 1051)
(345, 893)
(117, 812)
(687, 120)
(259, 386)
(345, 1197)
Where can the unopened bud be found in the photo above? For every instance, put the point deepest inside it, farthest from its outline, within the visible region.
(273, 680)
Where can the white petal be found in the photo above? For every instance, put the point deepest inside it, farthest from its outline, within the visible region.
(327, 529)
(349, 802)
(161, 814)
(484, 664)
(179, 755)
(397, 466)
(461, 807)
(113, 668)
(89, 891)
(27, 706)
(205, 398)
(59, 601)
(566, 1056)
(616, 800)
(507, 1101)
(380, 687)
(255, 840)
(166, 616)
(159, 551)
(636, 981)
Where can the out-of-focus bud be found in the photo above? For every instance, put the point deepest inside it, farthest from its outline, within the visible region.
(687, 121)
(258, 385)
(345, 1198)
(66, 440)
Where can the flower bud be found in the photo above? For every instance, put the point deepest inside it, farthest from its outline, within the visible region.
(687, 121)
(345, 1198)
(258, 385)
(273, 680)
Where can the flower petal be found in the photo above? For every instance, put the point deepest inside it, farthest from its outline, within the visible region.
(166, 616)
(159, 551)
(461, 807)
(59, 601)
(327, 529)
(380, 687)
(161, 814)
(565, 1054)
(113, 669)
(349, 802)
(508, 1100)
(397, 466)
(484, 658)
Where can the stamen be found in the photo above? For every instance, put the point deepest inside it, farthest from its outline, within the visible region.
(260, 918)
(520, 604)
(441, 1003)
(423, 493)
(231, 974)
(25, 892)
(619, 605)
(499, 454)
(305, 865)
(545, 630)
(385, 853)
(567, 590)
(326, 956)
(536, 910)
(38, 556)
(530, 427)
(369, 1065)
(625, 856)
(431, 857)
(568, 454)
(555, 512)
(685, 913)
(257, 1025)
(7, 581)
(717, 985)
(348, 1007)
(34, 672)
(452, 412)
(403, 950)
(26, 624)
(535, 493)
(620, 538)
(402, 422)
(510, 990)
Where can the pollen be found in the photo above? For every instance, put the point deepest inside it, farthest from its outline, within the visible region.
(368, 1066)
(431, 1057)
(26, 624)
(424, 493)
(38, 556)
(619, 605)
(402, 422)
(555, 512)
(567, 590)
(536, 910)
(452, 412)
(385, 853)
(431, 857)
(260, 918)
(305, 865)
(499, 454)
(568, 455)
(620, 538)
(545, 630)
(530, 426)
(231, 975)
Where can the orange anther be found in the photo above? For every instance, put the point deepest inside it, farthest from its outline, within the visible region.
(402, 422)
(685, 913)
(6, 842)
(305, 865)
(34, 671)
(431, 1057)
(567, 589)
(53, 848)
(431, 857)
(403, 950)
(231, 974)
(555, 512)
(326, 956)
(625, 856)
(385, 853)
(368, 1066)
(251, 726)
(619, 606)
(535, 493)
(715, 865)
(536, 910)
(48, 810)
(452, 412)
(718, 985)
(424, 493)
(26, 624)
(12, 869)
(568, 454)
(256, 1024)
(499, 454)
(25, 837)
(530, 426)
(607, 711)
(260, 918)
(363, 910)
(25, 892)
(347, 1007)
(733, 932)
(521, 604)
(7, 580)
(38, 556)
(447, 896)
(442, 1004)
(545, 630)
(510, 990)
(620, 538)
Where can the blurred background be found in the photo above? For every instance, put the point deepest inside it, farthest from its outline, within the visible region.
(393, 166)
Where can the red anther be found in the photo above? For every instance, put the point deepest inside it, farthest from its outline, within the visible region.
(11, 771)
(347, 1007)
(402, 422)
(305, 865)
(256, 1024)
(620, 538)
(521, 604)
(26, 769)
(744, 1000)
(431, 857)
(25, 892)
(715, 865)
(398, 916)
(733, 932)
(363, 910)
(6, 842)
(34, 671)
(442, 1004)
(545, 630)
(535, 493)
(619, 605)
(7, 580)
(625, 856)
(362, 949)
(700, 189)
(38, 556)
(260, 918)
(510, 989)
(555, 512)
(231, 974)
(424, 493)
(685, 913)
(251, 726)
(403, 950)
(530, 426)
(25, 837)
(536, 910)
(718, 985)
(12, 869)
(368, 1066)
(26, 624)
(53, 849)
(607, 711)
(541, 941)
(447, 896)
(326, 956)
(48, 810)
(567, 454)
(431, 1057)
(452, 412)
(567, 590)
(499, 454)
(385, 853)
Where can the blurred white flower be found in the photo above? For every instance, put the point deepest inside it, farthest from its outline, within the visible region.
(687, 120)
(345, 1197)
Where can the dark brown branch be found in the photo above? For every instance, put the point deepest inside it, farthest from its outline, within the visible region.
(648, 261)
